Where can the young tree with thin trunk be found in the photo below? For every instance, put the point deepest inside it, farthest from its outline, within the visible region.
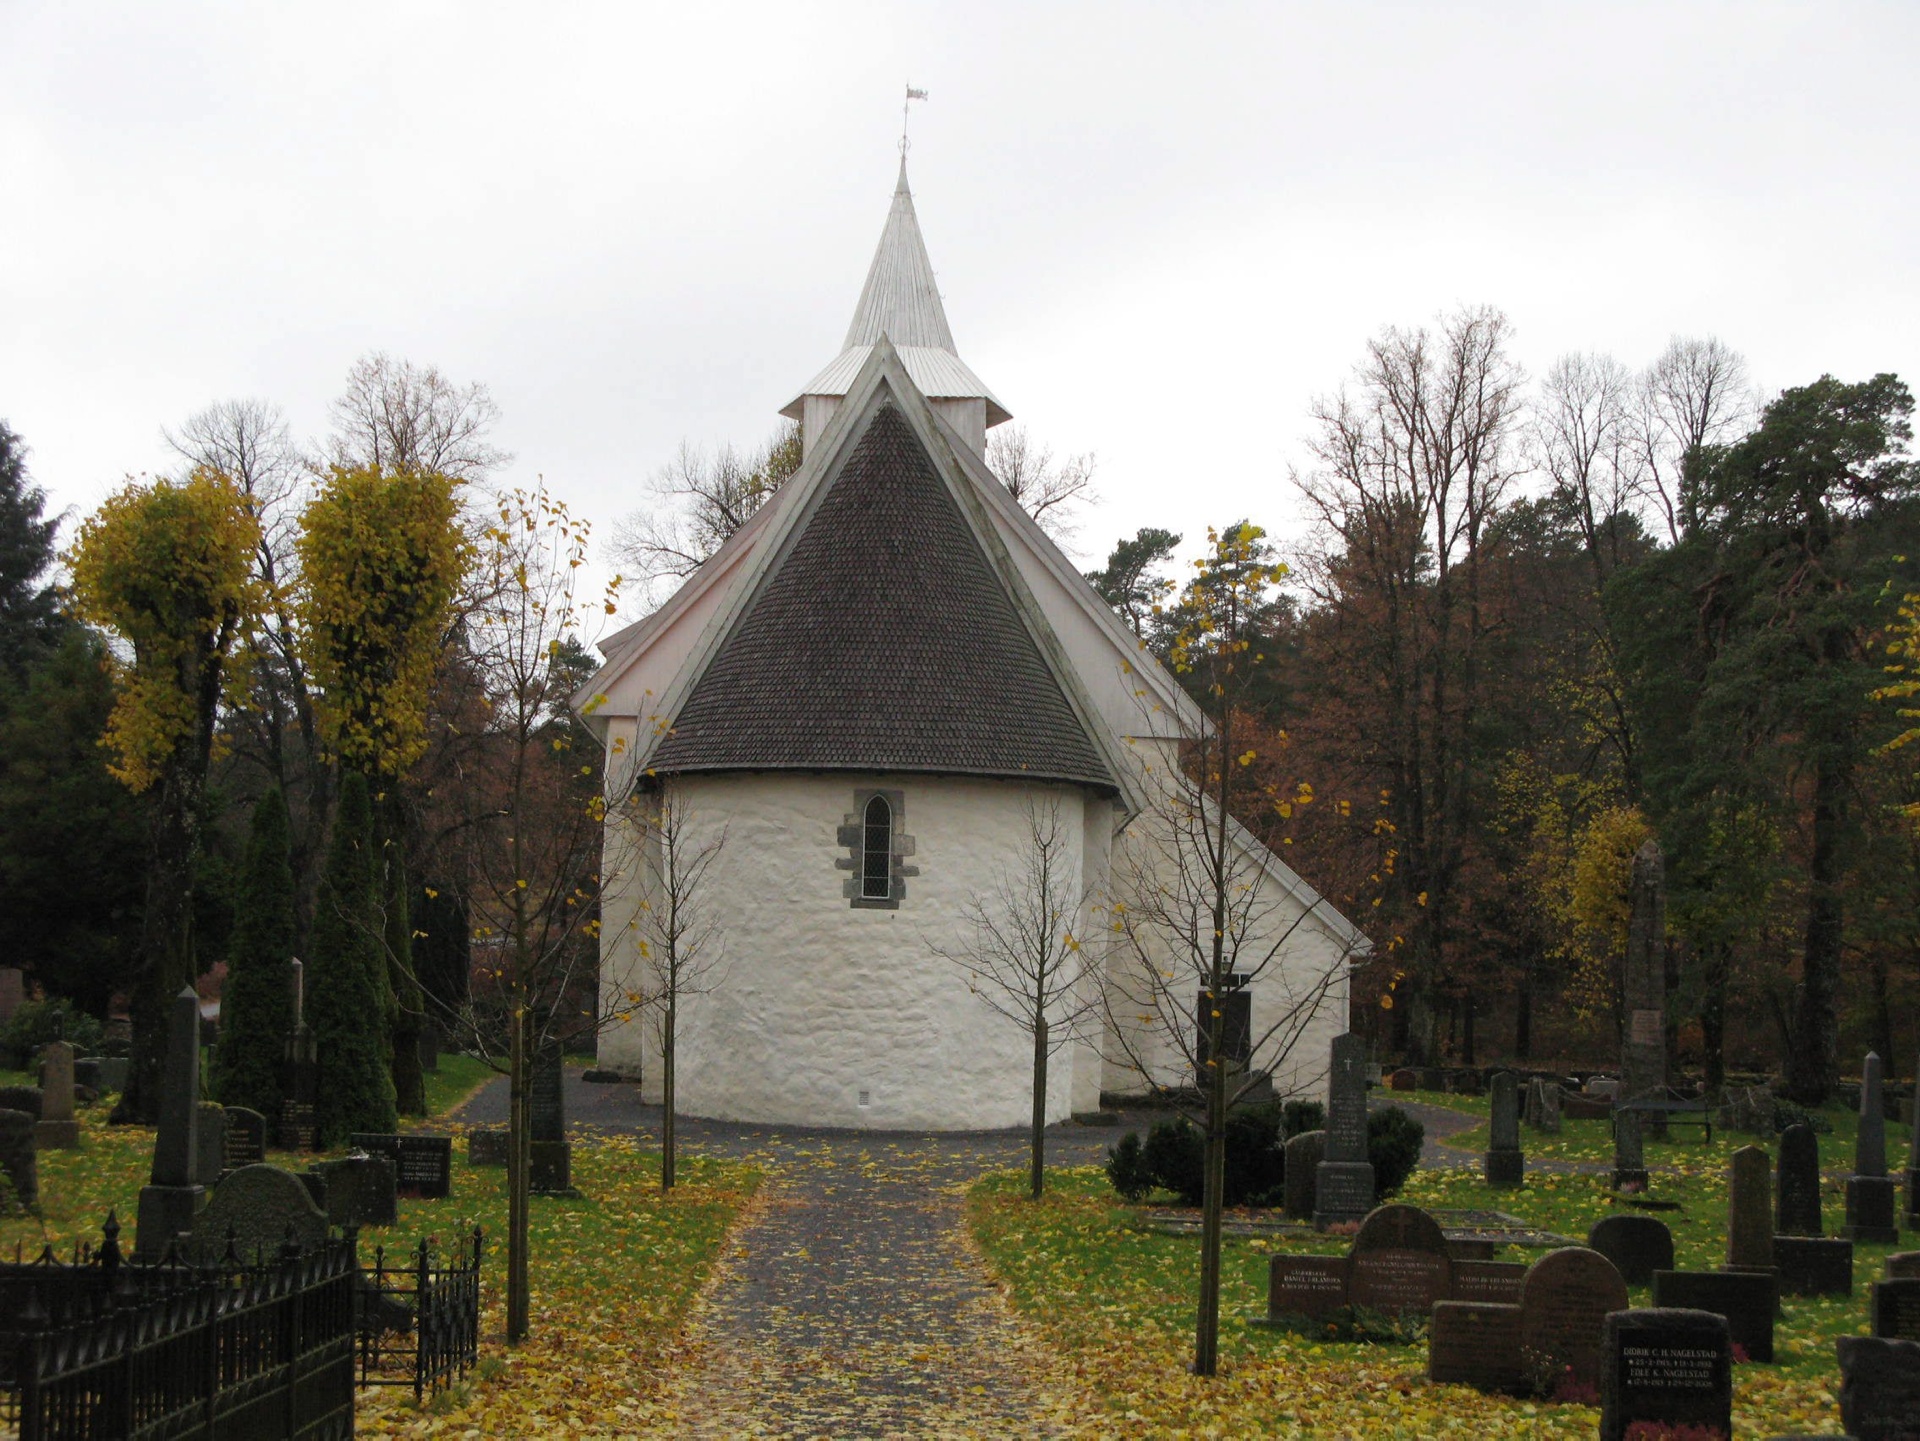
(1196, 907)
(1020, 956)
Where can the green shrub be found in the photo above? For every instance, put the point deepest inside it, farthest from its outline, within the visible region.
(1175, 1157)
(53, 1019)
(1299, 1117)
(256, 1005)
(1786, 1114)
(1393, 1146)
(1127, 1170)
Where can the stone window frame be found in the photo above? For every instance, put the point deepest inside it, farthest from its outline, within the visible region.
(852, 836)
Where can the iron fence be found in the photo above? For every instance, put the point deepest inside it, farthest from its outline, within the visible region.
(420, 1323)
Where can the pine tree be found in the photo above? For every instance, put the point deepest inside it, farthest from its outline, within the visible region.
(29, 623)
(348, 1004)
(256, 1012)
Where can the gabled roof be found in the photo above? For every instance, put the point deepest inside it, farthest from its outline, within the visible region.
(901, 302)
(883, 637)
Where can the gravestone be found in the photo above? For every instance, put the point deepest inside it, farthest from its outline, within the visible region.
(1629, 1162)
(550, 1168)
(1903, 1263)
(1476, 1343)
(172, 1195)
(1403, 1080)
(1912, 1220)
(1870, 1190)
(1313, 1287)
(86, 1072)
(299, 1072)
(359, 1190)
(1303, 1156)
(1895, 1309)
(1506, 1164)
(1637, 1245)
(1498, 1281)
(549, 1157)
(30, 1099)
(1604, 1088)
(246, 1138)
(1879, 1388)
(1748, 1299)
(1666, 1366)
(113, 1073)
(1643, 1056)
(1797, 1191)
(19, 1159)
(57, 1131)
(263, 1207)
(1399, 1262)
(422, 1165)
(1343, 1182)
(1750, 1210)
(1814, 1265)
(1547, 1108)
(210, 1155)
(488, 1147)
(1563, 1309)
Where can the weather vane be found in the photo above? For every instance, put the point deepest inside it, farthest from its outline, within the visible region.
(905, 108)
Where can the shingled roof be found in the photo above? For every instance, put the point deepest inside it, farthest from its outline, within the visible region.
(884, 640)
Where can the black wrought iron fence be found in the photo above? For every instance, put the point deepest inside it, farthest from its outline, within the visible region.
(420, 1323)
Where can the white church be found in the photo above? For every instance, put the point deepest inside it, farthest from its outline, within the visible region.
(867, 690)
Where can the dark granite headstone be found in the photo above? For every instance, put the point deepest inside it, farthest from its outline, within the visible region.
(1895, 1309)
(547, 1093)
(1872, 1201)
(1563, 1306)
(1750, 1210)
(1879, 1388)
(1814, 1265)
(210, 1137)
(1748, 1299)
(1506, 1165)
(488, 1147)
(1403, 1080)
(246, 1138)
(359, 1190)
(1903, 1263)
(1629, 1163)
(19, 1159)
(1344, 1181)
(422, 1165)
(1309, 1286)
(550, 1168)
(86, 1072)
(262, 1207)
(23, 1098)
(1476, 1343)
(58, 1130)
(1637, 1245)
(1497, 1281)
(172, 1196)
(1797, 1183)
(1304, 1153)
(1668, 1366)
(1399, 1262)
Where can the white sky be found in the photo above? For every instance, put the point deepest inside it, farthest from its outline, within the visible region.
(1160, 230)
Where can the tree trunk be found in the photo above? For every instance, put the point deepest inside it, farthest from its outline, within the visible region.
(1037, 1178)
(1206, 1339)
(666, 1093)
(1713, 1014)
(1523, 1019)
(1882, 1011)
(1467, 1049)
(166, 942)
(1813, 1062)
(519, 1201)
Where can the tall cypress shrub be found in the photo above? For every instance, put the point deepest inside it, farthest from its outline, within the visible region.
(348, 1004)
(256, 1005)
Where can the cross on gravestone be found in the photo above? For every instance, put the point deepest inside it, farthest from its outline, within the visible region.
(1668, 1366)
(422, 1165)
(1797, 1189)
(1637, 1245)
(1564, 1304)
(57, 1131)
(1399, 1262)
(172, 1195)
(1505, 1163)
(1750, 1210)
(1304, 1154)
(261, 1208)
(1344, 1179)
(1879, 1387)
(1871, 1199)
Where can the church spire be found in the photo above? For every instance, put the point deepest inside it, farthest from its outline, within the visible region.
(901, 301)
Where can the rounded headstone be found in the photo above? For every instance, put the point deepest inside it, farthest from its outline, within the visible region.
(1797, 1183)
(1564, 1304)
(1637, 1245)
(1399, 1261)
(262, 1206)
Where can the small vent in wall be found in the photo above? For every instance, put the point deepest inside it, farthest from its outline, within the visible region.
(865, 1098)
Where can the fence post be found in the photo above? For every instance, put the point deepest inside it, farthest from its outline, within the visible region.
(422, 1295)
(26, 1364)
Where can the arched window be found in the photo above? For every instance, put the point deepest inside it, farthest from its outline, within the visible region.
(876, 851)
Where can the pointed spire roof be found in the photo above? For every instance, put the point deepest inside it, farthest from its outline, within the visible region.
(901, 301)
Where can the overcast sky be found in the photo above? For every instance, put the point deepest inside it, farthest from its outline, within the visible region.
(1160, 230)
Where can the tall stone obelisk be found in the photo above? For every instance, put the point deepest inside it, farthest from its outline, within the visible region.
(1643, 1052)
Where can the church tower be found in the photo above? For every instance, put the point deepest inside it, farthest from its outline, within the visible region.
(901, 302)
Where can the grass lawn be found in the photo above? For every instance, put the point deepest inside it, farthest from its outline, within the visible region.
(457, 1079)
(613, 1271)
(1118, 1301)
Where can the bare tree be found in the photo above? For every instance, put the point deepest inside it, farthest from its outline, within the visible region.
(676, 930)
(1586, 439)
(699, 501)
(1697, 393)
(400, 416)
(1050, 492)
(1019, 954)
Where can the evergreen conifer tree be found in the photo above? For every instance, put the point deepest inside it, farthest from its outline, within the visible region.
(256, 1010)
(348, 1004)
(30, 624)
